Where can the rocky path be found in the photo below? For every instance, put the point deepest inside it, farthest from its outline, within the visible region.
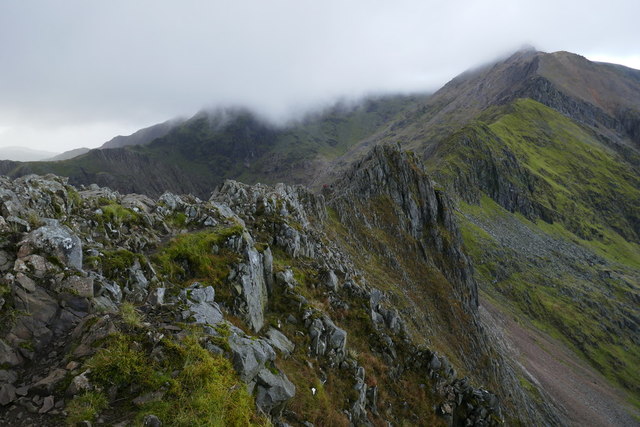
(585, 394)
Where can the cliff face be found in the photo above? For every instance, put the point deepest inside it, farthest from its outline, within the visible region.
(111, 303)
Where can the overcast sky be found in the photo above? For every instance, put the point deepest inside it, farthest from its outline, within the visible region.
(76, 73)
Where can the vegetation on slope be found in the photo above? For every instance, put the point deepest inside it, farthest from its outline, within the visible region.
(551, 218)
(206, 390)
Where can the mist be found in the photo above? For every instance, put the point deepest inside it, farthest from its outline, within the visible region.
(78, 73)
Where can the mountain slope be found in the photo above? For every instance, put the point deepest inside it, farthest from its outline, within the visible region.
(143, 136)
(69, 154)
(250, 305)
(549, 200)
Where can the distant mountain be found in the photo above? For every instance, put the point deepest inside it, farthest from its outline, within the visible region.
(69, 154)
(24, 154)
(198, 154)
(143, 136)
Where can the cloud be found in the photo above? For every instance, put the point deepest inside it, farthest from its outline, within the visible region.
(121, 65)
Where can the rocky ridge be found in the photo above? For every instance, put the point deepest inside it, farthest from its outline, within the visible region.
(253, 276)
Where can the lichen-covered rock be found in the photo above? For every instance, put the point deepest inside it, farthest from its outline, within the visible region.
(55, 240)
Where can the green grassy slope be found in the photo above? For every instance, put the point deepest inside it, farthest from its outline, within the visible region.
(550, 216)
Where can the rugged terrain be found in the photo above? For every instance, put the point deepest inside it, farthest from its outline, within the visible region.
(515, 184)
(121, 308)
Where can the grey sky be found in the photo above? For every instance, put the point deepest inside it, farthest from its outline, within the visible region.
(76, 73)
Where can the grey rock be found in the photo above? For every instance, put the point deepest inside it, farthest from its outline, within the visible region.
(359, 407)
(204, 313)
(6, 259)
(292, 319)
(280, 341)
(138, 283)
(337, 338)
(267, 260)
(138, 203)
(285, 278)
(81, 286)
(106, 288)
(151, 421)
(200, 305)
(372, 399)
(197, 294)
(171, 201)
(38, 303)
(156, 297)
(213, 348)
(37, 265)
(209, 222)
(23, 391)
(252, 282)
(376, 318)
(26, 282)
(47, 405)
(48, 384)
(8, 356)
(331, 280)
(105, 305)
(249, 356)
(59, 241)
(8, 376)
(272, 391)
(79, 384)
(435, 363)
(7, 394)
(191, 212)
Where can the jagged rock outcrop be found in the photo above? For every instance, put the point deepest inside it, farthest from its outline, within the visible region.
(398, 181)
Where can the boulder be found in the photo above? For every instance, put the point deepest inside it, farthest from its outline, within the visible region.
(249, 356)
(81, 286)
(8, 356)
(55, 240)
(171, 201)
(331, 280)
(280, 341)
(47, 405)
(151, 421)
(8, 376)
(200, 305)
(6, 258)
(7, 394)
(272, 391)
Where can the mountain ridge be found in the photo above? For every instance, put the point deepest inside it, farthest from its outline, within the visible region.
(516, 183)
